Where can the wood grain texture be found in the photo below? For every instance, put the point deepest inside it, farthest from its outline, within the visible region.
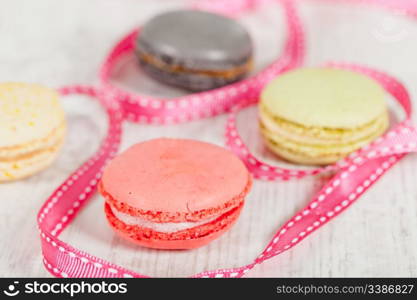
(59, 42)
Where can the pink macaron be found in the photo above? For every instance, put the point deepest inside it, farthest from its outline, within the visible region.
(174, 193)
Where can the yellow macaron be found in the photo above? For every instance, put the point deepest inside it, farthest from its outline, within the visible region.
(319, 115)
(32, 129)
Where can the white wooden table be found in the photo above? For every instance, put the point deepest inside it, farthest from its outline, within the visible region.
(58, 42)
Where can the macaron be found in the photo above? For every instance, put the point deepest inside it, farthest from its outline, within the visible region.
(32, 129)
(319, 115)
(194, 50)
(174, 193)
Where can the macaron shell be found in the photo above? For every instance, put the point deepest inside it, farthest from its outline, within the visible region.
(28, 112)
(197, 40)
(32, 129)
(317, 155)
(163, 216)
(54, 139)
(22, 168)
(301, 158)
(21, 162)
(148, 238)
(319, 97)
(318, 135)
(318, 149)
(175, 176)
(180, 244)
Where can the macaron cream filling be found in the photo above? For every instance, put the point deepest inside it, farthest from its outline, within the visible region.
(227, 73)
(32, 129)
(160, 227)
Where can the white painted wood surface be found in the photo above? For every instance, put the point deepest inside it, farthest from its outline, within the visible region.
(59, 42)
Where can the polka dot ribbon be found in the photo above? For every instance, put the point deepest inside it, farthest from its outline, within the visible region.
(407, 7)
(352, 178)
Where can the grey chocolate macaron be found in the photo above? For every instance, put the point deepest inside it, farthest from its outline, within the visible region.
(194, 50)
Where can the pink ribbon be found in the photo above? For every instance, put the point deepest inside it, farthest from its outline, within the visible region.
(407, 7)
(353, 177)
(234, 7)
